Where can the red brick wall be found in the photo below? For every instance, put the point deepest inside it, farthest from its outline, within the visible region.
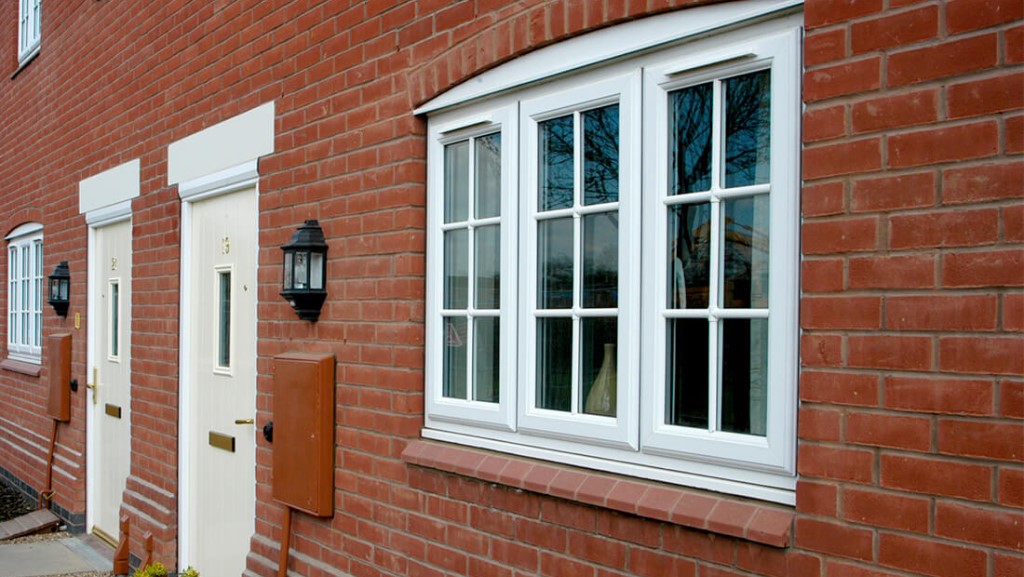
(911, 439)
(912, 395)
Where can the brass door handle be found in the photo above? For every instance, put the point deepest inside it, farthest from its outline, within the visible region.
(245, 421)
(94, 386)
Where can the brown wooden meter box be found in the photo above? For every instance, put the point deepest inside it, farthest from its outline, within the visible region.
(303, 447)
(59, 365)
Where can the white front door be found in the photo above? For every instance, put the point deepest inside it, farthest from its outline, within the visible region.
(109, 400)
(221, 381)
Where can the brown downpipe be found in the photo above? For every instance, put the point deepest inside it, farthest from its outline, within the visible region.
(47, 494)
(286, 537)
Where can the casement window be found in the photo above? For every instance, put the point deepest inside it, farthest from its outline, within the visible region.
(612, 255)
(29, 12)
(25, 293)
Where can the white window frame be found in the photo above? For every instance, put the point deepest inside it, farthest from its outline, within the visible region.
(25, 293)
(29, 30)
(750, 36)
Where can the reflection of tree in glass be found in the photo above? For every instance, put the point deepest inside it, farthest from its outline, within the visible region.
(601, 155)
(747, 129)
(690, 139)
(556, 163)
(747, 148)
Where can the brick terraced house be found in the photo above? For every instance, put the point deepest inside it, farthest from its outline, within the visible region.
(609, 288)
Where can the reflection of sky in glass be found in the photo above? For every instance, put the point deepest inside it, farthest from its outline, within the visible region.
(601, 155)
(746, 253)
(488, 176)
(456, 181)
(555, 263)
(487, 266)
(747, 126)
(689, 238)
(690, 139)
(456, 269)
(556, 163)
(600, 260)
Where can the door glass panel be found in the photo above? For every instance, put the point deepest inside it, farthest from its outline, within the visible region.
(747, 129)
(486, 359)
(456, 269)
(555, 263)
(598, 346)
(601, 260)
(454, 358)
(556, 163)
(686, 394)
(115, 318)
(744, 375)
(554, 366)
(746, 253)
(488, 176)
(601, 155)
(690, 139)
(689, 251)
(456, 181)
(224, 319)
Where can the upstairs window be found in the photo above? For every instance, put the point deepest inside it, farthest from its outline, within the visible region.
(29, 12)
(612, 259)
(25, 293)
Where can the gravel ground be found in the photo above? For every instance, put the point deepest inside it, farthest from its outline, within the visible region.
(13, 505)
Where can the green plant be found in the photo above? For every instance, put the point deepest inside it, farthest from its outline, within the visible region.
(154, 570)
(189, 572)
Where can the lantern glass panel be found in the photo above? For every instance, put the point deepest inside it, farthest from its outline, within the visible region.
(316, 271)
(302, 270)
(289, 278)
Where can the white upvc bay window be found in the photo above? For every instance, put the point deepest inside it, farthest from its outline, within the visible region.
(25, 293)
(29, 13)
(612, 256)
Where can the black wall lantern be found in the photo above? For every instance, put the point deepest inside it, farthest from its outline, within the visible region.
(305, 271)
(60, 288)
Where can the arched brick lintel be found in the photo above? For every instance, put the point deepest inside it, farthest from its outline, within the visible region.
(514, 30)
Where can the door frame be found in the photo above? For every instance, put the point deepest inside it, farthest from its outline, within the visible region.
(237, 178)
(95, 220)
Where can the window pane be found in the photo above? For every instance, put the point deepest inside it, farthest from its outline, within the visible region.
(488, 176)
(746, 253)
(601, 155)
(115, 318)
(224, 322)
(744, 375)
(690, 139)
(555, 263)
(689, 250)
(454, 361)
(456, 181)
(598, 346)
(456, 266)
(601, 260)
(748, 129)
(487, 338)
(556, 163)
(687, 373)
(554, 366)
(487, 267)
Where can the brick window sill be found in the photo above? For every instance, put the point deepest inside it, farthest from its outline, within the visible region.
(21, 367)
(725, 515)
